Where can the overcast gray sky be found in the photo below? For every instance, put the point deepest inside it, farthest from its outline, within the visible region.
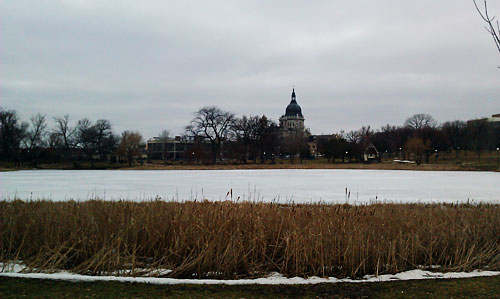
(148, 65)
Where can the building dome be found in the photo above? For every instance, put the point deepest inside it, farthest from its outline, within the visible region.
(293, 109)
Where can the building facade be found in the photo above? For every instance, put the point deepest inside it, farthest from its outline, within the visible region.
(168, 148)
(493, 121)
(292, 122)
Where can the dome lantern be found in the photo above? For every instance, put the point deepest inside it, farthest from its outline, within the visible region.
(293, 109)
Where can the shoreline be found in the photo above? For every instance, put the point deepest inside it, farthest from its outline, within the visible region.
(360, 166)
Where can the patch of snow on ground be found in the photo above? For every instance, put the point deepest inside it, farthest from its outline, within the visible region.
(14, 270)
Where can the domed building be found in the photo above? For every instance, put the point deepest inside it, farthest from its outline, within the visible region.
(293, 120)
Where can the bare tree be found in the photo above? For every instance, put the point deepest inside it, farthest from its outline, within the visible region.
(492, 27)
(420, 121)
(12, 132)
(477, 135)
(245, 129)
(292, 144)
(212, 124)
(105, 141)
(365, 135)
(35, 138)
(417, 147)
(267, 138)
(332, 147)
(454, 133)
(66, 133)
(37, 132)
(86, 136)
(352, 136)
(54, 142)
(130, 145)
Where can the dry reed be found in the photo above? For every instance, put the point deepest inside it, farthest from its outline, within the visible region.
(232, 240)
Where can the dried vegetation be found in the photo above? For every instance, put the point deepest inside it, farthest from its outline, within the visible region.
(233, 240)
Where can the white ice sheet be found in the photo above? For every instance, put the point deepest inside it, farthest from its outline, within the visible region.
(299, 185)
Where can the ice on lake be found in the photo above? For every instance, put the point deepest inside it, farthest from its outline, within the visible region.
(283, 185)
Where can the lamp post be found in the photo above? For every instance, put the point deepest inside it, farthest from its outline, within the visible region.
(346, 153)
(400, 154)
(436, 155)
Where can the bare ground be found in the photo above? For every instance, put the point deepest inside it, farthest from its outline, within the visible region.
(484, 287)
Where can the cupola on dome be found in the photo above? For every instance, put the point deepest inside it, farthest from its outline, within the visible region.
(293, 109)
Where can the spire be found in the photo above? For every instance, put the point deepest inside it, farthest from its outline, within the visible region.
(293, 109)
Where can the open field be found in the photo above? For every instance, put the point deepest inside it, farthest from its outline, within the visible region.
(483, 287)
(236, 240)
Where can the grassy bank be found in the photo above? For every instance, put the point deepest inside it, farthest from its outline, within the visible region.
(386, 165)
(483, 287)
(446, 162)
(233, 240)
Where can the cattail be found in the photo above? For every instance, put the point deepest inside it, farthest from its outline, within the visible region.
(228, 239)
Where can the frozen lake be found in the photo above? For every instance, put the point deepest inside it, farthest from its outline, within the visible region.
(283, 185)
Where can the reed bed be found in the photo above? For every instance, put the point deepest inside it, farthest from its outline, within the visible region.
(235, 240)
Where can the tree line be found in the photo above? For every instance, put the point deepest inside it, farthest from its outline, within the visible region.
(419, 138)
(215, 134)
(33, 141)
(248, 137)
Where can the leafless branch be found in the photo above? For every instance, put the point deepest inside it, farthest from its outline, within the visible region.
(490, 21)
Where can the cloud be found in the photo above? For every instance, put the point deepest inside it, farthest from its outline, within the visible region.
(148, 65)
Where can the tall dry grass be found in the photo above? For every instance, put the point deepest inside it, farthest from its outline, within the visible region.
(231, 240)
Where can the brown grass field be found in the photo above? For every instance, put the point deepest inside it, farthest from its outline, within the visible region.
(235, 240)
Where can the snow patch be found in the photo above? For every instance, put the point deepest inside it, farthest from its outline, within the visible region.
(15, 270)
